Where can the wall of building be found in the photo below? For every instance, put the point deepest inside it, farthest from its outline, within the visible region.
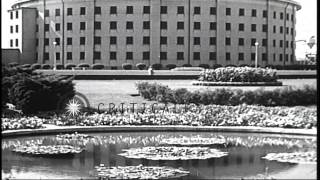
(10, 56)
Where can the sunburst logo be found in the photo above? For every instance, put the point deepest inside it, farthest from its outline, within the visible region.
(73, 107)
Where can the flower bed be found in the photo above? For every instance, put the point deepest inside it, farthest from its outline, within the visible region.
(172, 153)
(138, 172)
(193, 141)
(47, 150)
(295, 157)
(21, 123)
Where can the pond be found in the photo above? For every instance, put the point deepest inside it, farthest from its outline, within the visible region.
(243, 159)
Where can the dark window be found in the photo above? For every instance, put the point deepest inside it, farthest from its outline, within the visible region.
(97, 10)
(274, 29)
(287, 30)
(281, 43)
(287, 44)
(69, 26)
(228, 56)
(17, 14)
(213, 40)
(264, 13)
(11, 29)
(280, 57)
(253, 27)
(163, 55)
(213, 26)
(82, 10)
(228, 26)
(228, 41)
(57, 12)
(228, 11)
(291, 31)
(57, 56)
(113, 40)
(69, 55)
(37, 27)
(287, 57)
(274, 57)
(46, 56)
(292, 19)
(163, 10)
(69, 11)
(264, 28)
(37, 42)
(196, 55)
(113, 9)
(241, 12)
(146, 40)
(129, 9)
(82, 55)
(113, 24)
(163, 40)
(197, 25)
(46, 42)
(274, 14)
(69, 41)
(146, 55)
(97, 40)
(281, 29)
(180, 25)
(114, 67)
(253, 56)
(241, 56)
(97, 55)
(253, 41)
(129, 40)
(180, 56)
(97, 25)
(212, 56)
(180, 40)
(46, 27)
(264, 42)
(163, 25)
(241, 27)
(197, 10)
(129, 25)
(264, 57)
(82, 25)
(196, 41)
(11, 16)
(113, 55)
(11, 43)
(241, 42)
(254, 13)
(291, 44)
(46, 13)
(213, 10)
(281, 15)
(57, 40)
(129, 55)
(146, 9)
(146, 24)
(82, 40)
(287, 16)
(274, 44)
(180, 10)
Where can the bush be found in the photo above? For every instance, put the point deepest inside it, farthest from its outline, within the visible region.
(46, 66)
(83, 65)
(127, 66)
(141, 66)
(13, 64)
(230, 65)
(26, 66)
(69, 66)
(97, 66)
(244, 65)
(171, 66)
(60, 66)
(205, 66)
(187, 65)
(215, 66)
(36, 66)
(157, 66)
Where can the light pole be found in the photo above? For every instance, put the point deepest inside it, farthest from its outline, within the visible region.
(256, 57)
(54, 56)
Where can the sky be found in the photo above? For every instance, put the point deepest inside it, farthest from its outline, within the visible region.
(306, 25)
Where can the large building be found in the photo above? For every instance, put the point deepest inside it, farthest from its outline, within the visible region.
(113, 32)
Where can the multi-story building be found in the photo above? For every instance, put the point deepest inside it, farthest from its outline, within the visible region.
(113, 32)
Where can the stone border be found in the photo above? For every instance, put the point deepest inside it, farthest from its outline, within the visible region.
(52, 129)
(207, 83)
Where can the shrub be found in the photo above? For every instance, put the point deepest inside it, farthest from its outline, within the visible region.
(157, 66)
(26, 66)
(13, 64)
(126, 66)
(141, 66)
(69, 66)
(83, 65)
(215, 66)
(97, 66)
(230, 65)
(171, 66)
(244, 65)
(187, 65)
(46, 66)
(36, 66)
(205, 66)
(60, 66)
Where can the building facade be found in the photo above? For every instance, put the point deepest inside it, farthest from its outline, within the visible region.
(113, 32)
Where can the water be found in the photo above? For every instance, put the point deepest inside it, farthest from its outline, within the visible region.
(243, 161)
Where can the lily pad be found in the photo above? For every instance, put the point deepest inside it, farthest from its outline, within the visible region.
(294, 157)
(47, 150)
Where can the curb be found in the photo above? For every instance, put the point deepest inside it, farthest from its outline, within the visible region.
(207, 83)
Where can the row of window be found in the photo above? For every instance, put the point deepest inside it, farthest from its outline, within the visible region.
(163, 56)
(17, 14)
(16, 42)
(164, 26)
(17, 29)
(164, 10)
(164, 41)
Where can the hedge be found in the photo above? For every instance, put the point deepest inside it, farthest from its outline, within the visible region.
(157, 66)
(215, 66)
(141, 66)
(36, 66)
(171, 66)
(46, 66)
(127, 66)
(26, 66)
(70, 66)
(97, 66)
(187, 65)
(60, 66)
(205, 66)
(83, 65)
(13, 64)
(286, 96)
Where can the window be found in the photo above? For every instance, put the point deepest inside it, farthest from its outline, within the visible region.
(11, 29)
(129, 55)
(264, 57)
(213, 41)
(69, 55)
(264, 13)
(241, 42)
(228, 11)
(146, 24)
(196, 10)
(291, 31)
(287, 44)
(254, 13)
(163, 10)
(274, 44)
(180, 25)
(163, 40)
(17, 42)
(129, 40)
(281, 29)
(69, 41)
(46, 27)
(228, 41)
(228, 26)
(97, 40)
(57, 56)
(274, 29)
(11, 43)
(227, 56)
(82, 55)
(82, 25)
(241, 12)
(82, 10)
(280, 57)
(241, 27)
(37, 42)
(287, 57)
(11, 16)
(113, 24)
(292, 18)
(180, 10)
(196, 55)
(37, 28)
(253, 41)
(57, 12)
(213, 10)
(69, 26)
(281, 15)
(113, 40)
(196, 41)
(163, 55)
(146, 55)
(264, 28)
(281, 43)
(197, 25)
(180, 40)
(46, 41)
(46, 13)
(57, 40)
(82, 40)
(146, 9)
(253, 56)
(129, 9)
(264, 42)
(253, 27)
(97, 25)
(17, 14)
(113, 9)
(274, 57)
(69, 11)
(146, 40)
(129, 25)
(274, 14)
(163, 25)
(96, 55)
(287, 16)
(97, 10)
(113, 55)
(46, 56)
(212, 56)
(213, 26)
(180, 56)
(241, 56)
(287, 30)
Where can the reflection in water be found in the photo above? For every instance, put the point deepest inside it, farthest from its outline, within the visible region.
(244, 159)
